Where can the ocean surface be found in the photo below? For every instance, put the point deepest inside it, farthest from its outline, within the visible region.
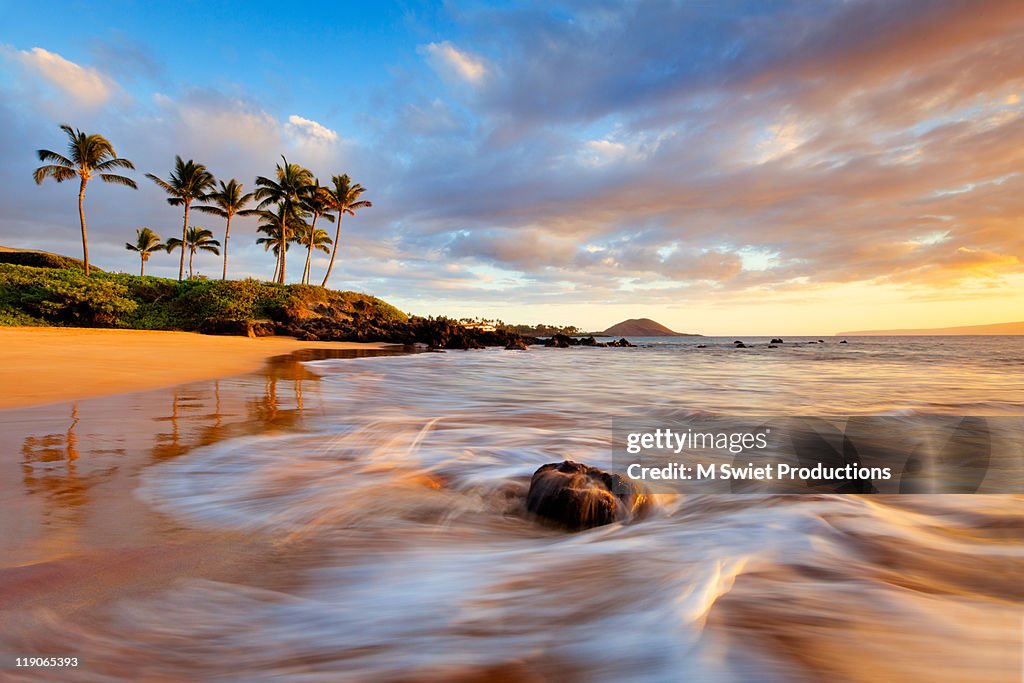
(385, 496)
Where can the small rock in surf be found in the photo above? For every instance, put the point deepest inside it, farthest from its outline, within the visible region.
(578, 496)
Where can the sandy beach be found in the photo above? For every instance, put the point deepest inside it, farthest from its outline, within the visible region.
(40, 365)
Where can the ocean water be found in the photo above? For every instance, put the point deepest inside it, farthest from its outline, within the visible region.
(392, 515)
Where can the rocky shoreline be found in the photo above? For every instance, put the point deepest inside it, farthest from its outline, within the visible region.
(324, 322)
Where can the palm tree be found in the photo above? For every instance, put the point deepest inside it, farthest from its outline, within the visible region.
(196, 238)
(287, 192)
(146, 242)
(344, 200)
(317, 202)
(87, 155)
(281, 228)
(228, 202)
(313, 238)
(188, 181)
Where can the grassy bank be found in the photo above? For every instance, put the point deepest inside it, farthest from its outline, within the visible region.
(66, 297)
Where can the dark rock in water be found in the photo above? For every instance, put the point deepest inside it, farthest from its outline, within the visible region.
(559, 341)
(622, 343)
(702, 346)
(579, 496)
(740, 345)
(821, 341)
(812, 342)
(772, 346)
(843, 342)
(590, 341)
(737, 342)
(776, 341)
(516, 344)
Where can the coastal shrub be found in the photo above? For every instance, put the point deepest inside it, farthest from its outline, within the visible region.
(12, 317)
(53, 296)
(64, 296)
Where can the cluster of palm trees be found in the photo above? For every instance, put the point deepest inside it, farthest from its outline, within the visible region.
(197, 238)
(288, 204)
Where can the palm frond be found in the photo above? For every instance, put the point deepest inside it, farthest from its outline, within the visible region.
(111, 164)
(215, 210)
(58, 173)
(54, 158)
(118, 180)
(161, 183)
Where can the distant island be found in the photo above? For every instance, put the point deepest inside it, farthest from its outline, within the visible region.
(997, 328)
(641, 327)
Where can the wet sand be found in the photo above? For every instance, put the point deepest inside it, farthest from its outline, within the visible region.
(40, 365)
(74, 538)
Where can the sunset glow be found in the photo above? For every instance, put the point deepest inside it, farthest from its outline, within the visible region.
(734, 168)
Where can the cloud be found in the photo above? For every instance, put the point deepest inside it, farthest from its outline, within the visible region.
(310, 130)
(85, 85)
(450, 62)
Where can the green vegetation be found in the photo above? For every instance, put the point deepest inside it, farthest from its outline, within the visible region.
(41, 259)
(227, 202)
(287, 191)
(538, 330)
(293, 193)
(317, 202)
(87, 155)
(197, 238)
(67, 297)
(146, 242)
(344, 200)
(188, 182)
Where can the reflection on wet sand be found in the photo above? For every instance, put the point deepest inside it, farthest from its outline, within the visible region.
(79, 462)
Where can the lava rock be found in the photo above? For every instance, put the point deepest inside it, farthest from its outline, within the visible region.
(559, 341)
(241, 328)
(516, 344)
(702, 346)
(578, 496)
(776, 341)
(843, 342)
(740, 345)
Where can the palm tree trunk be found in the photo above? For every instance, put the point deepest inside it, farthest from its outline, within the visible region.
(282, 248)
(184, 241)
(309, 250)
(81, 217)
(334, 251)
(191, 253)
(227, 234)
(142, 271)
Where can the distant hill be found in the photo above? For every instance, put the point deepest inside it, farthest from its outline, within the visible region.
(40, 259)
(641, 327)
(997, 328)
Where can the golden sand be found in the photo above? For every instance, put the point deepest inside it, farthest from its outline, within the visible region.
(40, 365)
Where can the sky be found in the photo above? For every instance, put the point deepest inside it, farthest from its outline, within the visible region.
(729, 167)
